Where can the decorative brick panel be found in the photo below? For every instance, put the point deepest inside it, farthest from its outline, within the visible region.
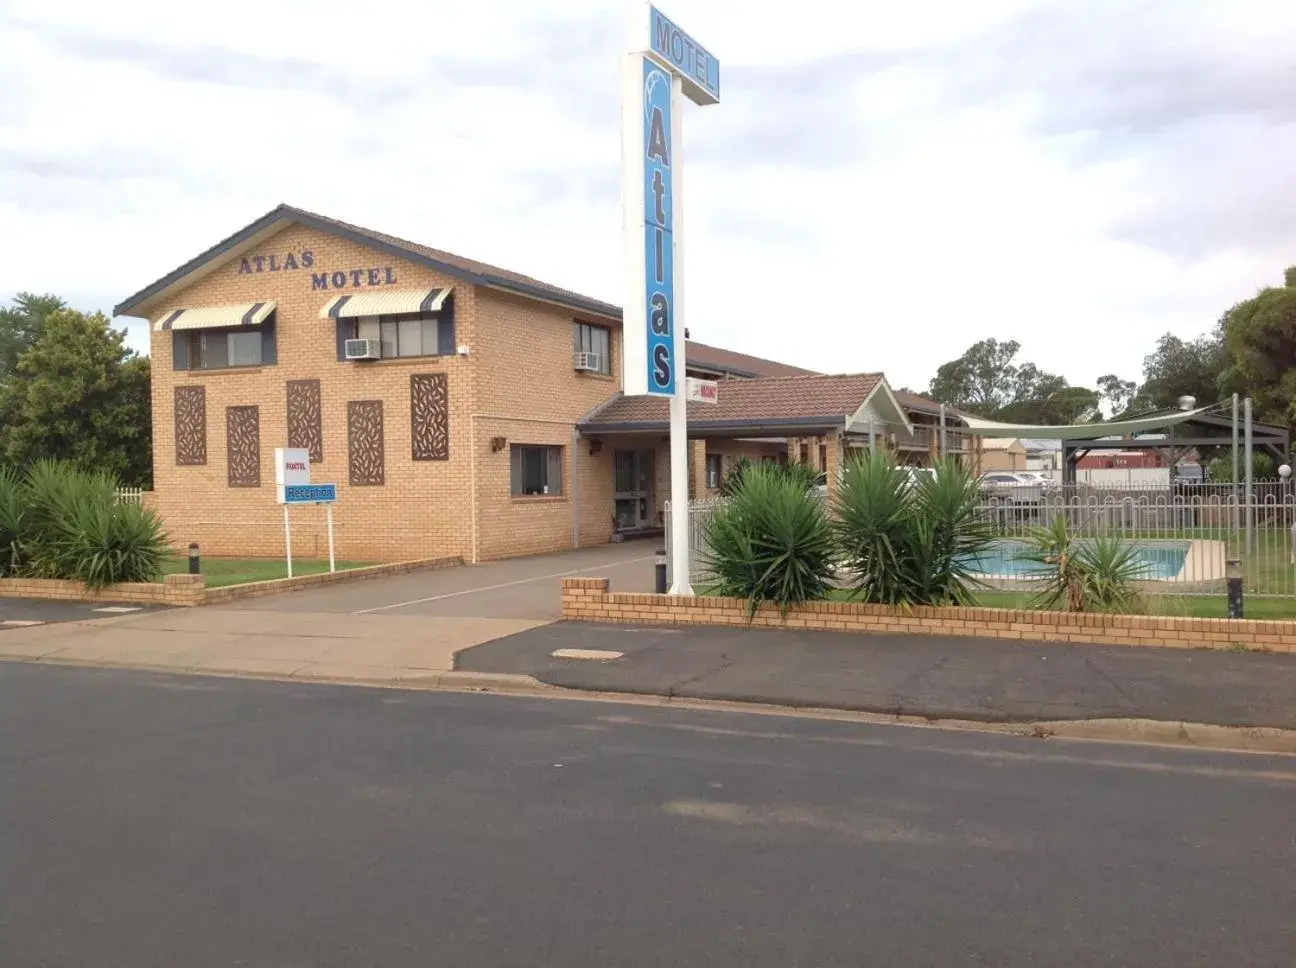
(365, 448)
(430, 416)
(305, 418)
(243, 446)
(190, 425)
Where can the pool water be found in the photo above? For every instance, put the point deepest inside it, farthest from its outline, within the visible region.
(1161, 561)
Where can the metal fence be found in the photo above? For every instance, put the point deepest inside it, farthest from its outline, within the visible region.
(1183, 536)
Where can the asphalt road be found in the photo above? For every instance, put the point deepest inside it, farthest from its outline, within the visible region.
(163, 821)
(940, 677)
(20, 612)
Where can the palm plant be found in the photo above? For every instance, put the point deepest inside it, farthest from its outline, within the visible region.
(906, 543)
(770, 543)
(1097, 574)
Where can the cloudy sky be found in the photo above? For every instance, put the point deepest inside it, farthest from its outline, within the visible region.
(883, 184)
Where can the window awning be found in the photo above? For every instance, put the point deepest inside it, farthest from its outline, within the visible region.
(216, 317)
(390, 302)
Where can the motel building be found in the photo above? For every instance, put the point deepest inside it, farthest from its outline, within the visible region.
(461, 409)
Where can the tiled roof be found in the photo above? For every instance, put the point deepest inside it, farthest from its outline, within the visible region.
(739, 364)
(795, 400)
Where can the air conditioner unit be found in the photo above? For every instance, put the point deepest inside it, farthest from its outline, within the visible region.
(363, 349)
(587, 362)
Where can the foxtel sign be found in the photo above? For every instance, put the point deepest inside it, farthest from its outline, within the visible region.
(669, 61)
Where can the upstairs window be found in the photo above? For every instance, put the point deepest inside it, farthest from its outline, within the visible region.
(407, 334)
(225, 349)
(597, 340)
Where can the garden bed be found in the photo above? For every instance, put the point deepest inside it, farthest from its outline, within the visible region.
(219, 572)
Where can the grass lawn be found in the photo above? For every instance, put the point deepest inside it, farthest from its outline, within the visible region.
(236, 571)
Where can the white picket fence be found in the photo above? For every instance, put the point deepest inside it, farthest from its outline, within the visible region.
(130, 495)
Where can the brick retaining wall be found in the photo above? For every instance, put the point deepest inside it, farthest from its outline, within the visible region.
(588, 600)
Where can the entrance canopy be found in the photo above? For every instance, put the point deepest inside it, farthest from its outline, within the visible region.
(1086, 431)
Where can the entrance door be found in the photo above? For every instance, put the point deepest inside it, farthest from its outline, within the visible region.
(633, 489)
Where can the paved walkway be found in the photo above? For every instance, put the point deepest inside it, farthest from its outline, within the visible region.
(406, 628)
(935, 677)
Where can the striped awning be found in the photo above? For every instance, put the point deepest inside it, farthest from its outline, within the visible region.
(389, 302)
(217, 317)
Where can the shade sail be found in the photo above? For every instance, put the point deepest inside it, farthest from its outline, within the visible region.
(1086, 431)
(216, 317)
(387, 303)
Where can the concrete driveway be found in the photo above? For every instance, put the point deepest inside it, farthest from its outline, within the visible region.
(517, 588)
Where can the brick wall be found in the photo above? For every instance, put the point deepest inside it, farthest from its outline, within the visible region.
(588, 600)
(516, 383)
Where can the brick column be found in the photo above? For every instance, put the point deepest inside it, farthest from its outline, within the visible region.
(836, 458)
(697, 469)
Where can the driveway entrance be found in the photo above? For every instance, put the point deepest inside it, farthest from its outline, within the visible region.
(516, 588)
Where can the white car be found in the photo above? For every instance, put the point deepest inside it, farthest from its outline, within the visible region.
(1011, 487)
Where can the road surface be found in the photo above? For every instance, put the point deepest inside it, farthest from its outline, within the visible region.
(150, 820)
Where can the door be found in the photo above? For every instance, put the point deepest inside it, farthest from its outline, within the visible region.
(633, 490)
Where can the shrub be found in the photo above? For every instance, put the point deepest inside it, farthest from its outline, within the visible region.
(803, 475)
(13, 521)
(771, 542)
(910, 543)
(74, 528)
(1098, 574)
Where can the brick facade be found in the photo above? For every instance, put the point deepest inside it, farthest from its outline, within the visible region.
(429, 483)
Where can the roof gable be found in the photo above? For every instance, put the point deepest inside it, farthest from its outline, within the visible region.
(799, 401)
(469, 270)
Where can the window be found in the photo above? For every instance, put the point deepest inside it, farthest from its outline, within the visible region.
(588, 338)
(407, 334)
(536, 470)
(713, 471)
(221, 349)
(823, 457)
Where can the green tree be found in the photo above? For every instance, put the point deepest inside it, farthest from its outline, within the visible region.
(1179, 368)
(1118, 393)
(22, 324)
(986, 381)
(78, 394)
(1260, 334)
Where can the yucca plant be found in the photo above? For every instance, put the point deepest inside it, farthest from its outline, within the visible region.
(1084, 575)
(905, 543)
(14, 521)
(105, 543)
(770, 543)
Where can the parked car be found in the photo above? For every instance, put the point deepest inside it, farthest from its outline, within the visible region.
(1011, 487)
(1039, 478)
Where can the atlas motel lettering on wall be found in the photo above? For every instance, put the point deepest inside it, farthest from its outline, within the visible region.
(326, 280)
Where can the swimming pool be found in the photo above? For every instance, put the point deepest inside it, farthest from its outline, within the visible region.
(1161, 560)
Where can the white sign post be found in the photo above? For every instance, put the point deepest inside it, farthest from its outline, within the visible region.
(293, 486)
(665, 66)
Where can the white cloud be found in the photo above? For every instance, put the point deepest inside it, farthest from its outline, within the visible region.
(883, 185)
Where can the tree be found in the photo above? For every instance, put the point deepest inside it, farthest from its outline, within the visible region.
(987, 382)
(1118, 393)
(79, 394)
(22, 324)
(1260, 334)
(1179, 368)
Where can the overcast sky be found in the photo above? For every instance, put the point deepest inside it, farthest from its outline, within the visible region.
(884, 183)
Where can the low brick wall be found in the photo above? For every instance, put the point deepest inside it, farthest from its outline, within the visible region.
(172, 590)
(257, 589)
(588, 600)
(193, 590)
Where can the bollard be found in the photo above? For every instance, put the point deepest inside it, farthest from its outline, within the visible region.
(1233, 573)
(195, 566)
(661, 571)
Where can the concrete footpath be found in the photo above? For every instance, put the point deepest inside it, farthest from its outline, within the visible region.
(924, 676)
(377, 649)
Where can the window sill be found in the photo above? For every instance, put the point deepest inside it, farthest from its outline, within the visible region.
(601, 377)
(226, 370)
(398, 361)
(539, 499)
